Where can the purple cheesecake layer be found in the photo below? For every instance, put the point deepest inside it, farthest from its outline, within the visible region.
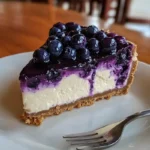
(34, 76)
(43, 82)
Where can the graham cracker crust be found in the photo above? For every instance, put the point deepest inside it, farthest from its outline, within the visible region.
(36, 119)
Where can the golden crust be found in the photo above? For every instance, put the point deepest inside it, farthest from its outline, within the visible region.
(36, 119)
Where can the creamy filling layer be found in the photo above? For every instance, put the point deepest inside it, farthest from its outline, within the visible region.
(69, 90)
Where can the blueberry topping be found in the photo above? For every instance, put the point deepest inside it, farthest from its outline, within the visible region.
(121, 57)
(66, 40)
(60, 35)
(41, 55)
(54, 31)
(52, 37)
(111, 34)
(124, 55)
(81, 65)
(55, 48)
(84, 30)
(73, 26)
(33, 82)
(60, 25)
(70, 53)
(91, 30)
(78, 41)
(52, 74)
(84, 53)
(109, 45)
(73, 32)
(69, 24)
(119, 38)
(77, 27)
(121, 41)
(100, 35)
(108, 42)
(93, 45)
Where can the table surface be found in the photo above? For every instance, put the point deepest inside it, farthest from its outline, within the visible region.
(24, 27)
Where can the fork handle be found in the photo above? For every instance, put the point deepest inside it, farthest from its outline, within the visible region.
(137, 115)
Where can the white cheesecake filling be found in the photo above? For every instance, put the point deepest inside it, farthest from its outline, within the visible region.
(103, 81)
(69, 90)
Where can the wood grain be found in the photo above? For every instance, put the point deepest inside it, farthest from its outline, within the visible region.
(24, 27)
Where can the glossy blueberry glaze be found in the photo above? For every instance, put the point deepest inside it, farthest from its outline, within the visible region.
(36, 74)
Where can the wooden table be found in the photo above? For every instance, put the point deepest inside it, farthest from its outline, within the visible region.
(24, 27)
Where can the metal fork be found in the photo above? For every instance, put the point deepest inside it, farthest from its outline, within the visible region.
(104, 137)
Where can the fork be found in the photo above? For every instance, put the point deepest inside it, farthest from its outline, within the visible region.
(103, 137)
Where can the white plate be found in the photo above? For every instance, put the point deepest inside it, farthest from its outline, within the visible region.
(16, 135)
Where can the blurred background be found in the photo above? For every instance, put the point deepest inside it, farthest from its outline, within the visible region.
(133, 14)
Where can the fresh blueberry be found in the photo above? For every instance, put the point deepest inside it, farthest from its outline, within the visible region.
(84, 53)
(73, 26)
(73, 32)
(77, 27)
(93, 45)
(33, 82)
(83, 27)
(60, 25)
(91, 30)
(108, 42)
(42, 55)
(109, 45)
(55, 48)
(66, 40)
(78, 41)
(50, 38)
(60, 35)
(53, 37)
(111, 34)
(70, 53)
(69, 24)
(52, 74)
(100, 35)
(84, 30)
(124, 54)
(121, 41)
(54, 31)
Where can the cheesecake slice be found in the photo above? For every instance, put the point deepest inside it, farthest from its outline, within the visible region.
(76, 67)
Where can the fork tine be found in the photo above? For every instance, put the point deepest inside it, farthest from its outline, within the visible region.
(89, 143)
(89, 138)
(84, 134)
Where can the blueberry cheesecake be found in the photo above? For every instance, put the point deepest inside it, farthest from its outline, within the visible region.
(75, 67)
